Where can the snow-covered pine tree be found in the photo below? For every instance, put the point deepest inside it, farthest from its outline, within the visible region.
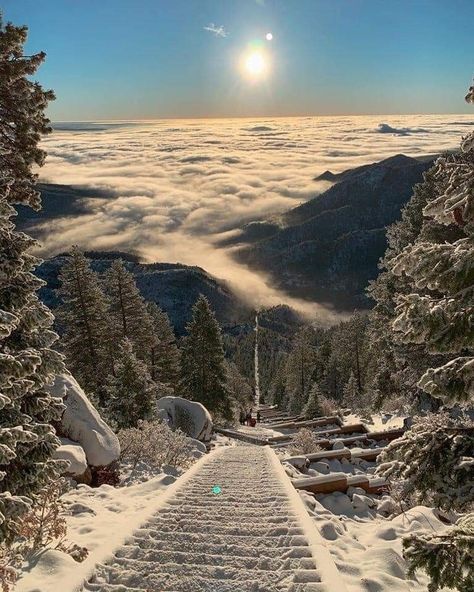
(132, 393)
(312, 407)
(351, 395)
(128, 311)
(440, 313)
(397, 366)
(165, 355)
(83, 314)
(299, 369)
(203, 371)
(28, 364)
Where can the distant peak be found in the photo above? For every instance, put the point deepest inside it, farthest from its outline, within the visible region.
(326, 176)
(398, 159)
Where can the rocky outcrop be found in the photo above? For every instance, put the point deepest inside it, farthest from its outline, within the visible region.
(328, 248)
(173, 286)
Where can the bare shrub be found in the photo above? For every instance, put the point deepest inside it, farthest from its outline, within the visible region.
(155, 443)
(304, 441)
(10, 564)
(327, 407)
(45, 524)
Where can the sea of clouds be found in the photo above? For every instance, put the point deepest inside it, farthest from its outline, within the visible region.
(177, 187)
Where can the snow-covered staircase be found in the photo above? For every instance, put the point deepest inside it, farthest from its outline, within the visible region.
(253, 535)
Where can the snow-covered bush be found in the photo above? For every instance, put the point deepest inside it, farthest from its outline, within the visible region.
(10, 565)
(304, 441)
(434, 461)
(447, 556)
(154, 443)
(42, 526)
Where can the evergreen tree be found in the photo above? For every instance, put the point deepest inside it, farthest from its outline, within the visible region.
(28, 364)
(277, 390)
(87, 329)
(312, 407)
(128, 311)
(439, 312)
(131, 392)
(351, 396)
(165, 355)
(299, 369)
(203, 372)
(404, 362)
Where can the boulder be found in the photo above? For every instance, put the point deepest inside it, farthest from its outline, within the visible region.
(189, 416)
(82, 424)
(300, 462)
(75, 456)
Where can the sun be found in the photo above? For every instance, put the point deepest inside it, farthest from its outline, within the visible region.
(255, 63)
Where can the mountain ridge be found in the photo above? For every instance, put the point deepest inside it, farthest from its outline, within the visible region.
(328, 248)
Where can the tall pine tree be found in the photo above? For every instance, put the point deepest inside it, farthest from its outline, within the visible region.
(165, 355)
(28, 364)
(128, 312)
(84, 316)
(203, 370)
(132, 393)
(299, 369)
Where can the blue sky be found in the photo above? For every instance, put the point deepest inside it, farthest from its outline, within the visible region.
(134, 59)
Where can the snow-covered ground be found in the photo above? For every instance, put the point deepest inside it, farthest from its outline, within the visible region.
(237, 525)
(367, 546)
(100, 519)
(364, 532)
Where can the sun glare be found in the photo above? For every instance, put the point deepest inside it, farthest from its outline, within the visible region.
(255, 63)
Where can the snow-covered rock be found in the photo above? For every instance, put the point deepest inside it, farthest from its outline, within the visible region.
(300, 462)
(191, 417)
(362, 502)
(81, 423)
(387, 505)
(338, 445)
(75, 456)
(321, 467)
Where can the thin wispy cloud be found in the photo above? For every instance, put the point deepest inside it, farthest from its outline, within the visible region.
(217, 30)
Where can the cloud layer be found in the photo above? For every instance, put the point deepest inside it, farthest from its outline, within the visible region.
(177, 187)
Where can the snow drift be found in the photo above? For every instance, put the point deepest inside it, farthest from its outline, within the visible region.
(191, 417)
(82, 423)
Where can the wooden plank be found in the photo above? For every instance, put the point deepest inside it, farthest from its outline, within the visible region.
(358, 481)
(322, 484)
(378, 486)
(387, 435)
(348, 428)
(240, 436)
(368, 454)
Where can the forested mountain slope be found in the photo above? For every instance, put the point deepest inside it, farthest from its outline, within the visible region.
(327, 249)
(174, 287)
